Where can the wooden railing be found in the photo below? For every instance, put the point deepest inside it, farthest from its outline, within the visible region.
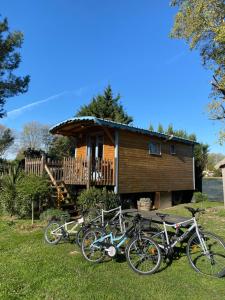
(71, 170)
(75, 170)
(34, 166)
(102, 172)
(56, 169)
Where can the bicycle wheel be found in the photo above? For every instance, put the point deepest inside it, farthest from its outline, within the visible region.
(213, 261)
(93, 252)
(53, 233)
(80, 235)
(143, 255)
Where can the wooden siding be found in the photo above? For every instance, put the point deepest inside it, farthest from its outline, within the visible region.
(108, 151)
(140, 171)
(81, 150)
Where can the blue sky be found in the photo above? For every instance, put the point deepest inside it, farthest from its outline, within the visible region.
(74, 48)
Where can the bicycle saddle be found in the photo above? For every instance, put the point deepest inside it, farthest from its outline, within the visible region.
(162, 216)
(194, 211)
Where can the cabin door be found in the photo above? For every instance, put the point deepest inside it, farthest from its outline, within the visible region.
(96, 147)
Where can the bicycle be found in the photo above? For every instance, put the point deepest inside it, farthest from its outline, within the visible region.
(142, 253)
(205, 250)
(55, 231)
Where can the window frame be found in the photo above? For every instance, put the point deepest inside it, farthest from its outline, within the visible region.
(158, 145)
(173, 152)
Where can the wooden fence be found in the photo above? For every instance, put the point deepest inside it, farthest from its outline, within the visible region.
(34, 166)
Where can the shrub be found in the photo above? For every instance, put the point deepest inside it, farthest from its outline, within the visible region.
(8, 191)
(18, 191)
(200, 197)
(57, 214)
(98, 198)
(31, 188)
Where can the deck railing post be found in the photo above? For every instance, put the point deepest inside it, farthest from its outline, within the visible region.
(89, 172)
(42, 167)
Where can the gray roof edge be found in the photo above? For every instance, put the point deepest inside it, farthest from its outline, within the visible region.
(117, 125)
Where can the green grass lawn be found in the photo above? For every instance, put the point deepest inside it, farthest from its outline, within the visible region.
(31, 269)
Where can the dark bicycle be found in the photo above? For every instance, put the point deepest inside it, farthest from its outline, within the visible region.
(142, 253)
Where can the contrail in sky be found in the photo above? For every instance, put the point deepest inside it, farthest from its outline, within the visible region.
(15, 112)
(175, 58)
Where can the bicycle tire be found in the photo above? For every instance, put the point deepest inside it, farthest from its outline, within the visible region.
(88, 252)
(80, 235)
(56, 238)
(212, 263)
(149, 252)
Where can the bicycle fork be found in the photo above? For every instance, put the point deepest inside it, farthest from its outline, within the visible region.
(202, 242)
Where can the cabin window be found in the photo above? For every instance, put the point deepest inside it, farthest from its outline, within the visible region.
(99, 147)
(172, 149)
(155, 148)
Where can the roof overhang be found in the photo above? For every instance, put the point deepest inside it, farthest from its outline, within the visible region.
(78, 124)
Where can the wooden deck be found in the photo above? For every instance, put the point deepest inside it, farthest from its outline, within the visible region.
(74, 171)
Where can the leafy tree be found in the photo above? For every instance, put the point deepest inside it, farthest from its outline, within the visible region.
(151, 128)
(201, 24)
(201, 157)
(10, 84)
(213, 159)
(31, 189)
(106, 106)
(170, 130)
(6, 139)
(61, 146)
(160, 128)
(19, 192)
(35, 136)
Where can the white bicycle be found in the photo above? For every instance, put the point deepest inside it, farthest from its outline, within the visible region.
(55, 230)
(205, 250)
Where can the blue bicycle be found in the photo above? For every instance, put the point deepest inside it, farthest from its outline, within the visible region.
(142, 253)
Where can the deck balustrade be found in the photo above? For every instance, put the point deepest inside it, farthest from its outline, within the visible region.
(74, 171)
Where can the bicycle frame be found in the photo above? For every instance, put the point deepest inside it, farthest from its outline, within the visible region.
(118, 214)
(122, 238)
(74, 230)
(183, 236)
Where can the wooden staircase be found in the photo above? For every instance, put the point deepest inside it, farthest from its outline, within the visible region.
(61, 191)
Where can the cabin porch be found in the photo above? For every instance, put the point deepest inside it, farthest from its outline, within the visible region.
(74, 171)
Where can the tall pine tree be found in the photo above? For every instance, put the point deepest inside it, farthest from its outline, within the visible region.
(106, 106)
(10, 84)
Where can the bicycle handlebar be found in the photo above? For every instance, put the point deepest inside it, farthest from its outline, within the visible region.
(194, 211)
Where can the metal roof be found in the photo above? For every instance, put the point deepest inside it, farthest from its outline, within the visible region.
(116, 125)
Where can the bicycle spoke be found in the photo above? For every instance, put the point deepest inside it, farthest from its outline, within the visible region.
(211, 262)
(143, 256)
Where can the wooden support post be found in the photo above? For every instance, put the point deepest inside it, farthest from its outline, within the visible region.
(42, 168)
(157, 200)
(89, 172)
(32, 212)
(116, 163)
